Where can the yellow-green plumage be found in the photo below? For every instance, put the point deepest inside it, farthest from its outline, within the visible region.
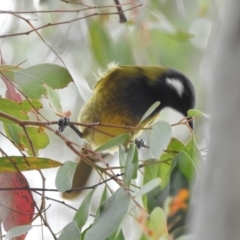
(110, 103)
(122, 96)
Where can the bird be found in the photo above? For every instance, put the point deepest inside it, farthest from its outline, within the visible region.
(122, 96)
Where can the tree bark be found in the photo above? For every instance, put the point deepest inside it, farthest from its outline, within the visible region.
(217, 212)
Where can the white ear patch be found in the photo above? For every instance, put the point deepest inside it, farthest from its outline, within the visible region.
(176, 84)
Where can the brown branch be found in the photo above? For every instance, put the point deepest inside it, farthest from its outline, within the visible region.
(122, 17)
(63, 11)
(63, 22)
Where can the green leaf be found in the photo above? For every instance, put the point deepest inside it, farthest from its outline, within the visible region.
(101, 43)
(150, 111)
(64, 178)
(31, 81)
(39, 138)
(164, 170)
(197, 113)
(149, 186)
(70, 232)
(157, 224)
(186, 165)
(54, 99)
(17, 110)
(103, 199)
(18, 231)
(123, 53)
(193, 152)
(131, 167)
(188, 159)
(111, 215)
(122, 158)
(115, 141)
(175, 145)
(160, 137)
(181, 36)
(13, 132)
(117, 236)
(150, 173)
(26, 163)
(8, 71)
(82, 214)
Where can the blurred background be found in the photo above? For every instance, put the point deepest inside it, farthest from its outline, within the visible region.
(88, 37)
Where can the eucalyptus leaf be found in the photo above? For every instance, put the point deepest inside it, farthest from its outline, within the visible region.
(70, 232)
(18, 231)
(197, 113)
(111, 215)
(113, 142)
(150, 111)
(131, 167)
(160, 137)
(20, 163)
(32, 80)
(65, 175)
(81, 215)
(149, 186)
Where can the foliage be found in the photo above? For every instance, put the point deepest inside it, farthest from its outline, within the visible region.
(154, 191)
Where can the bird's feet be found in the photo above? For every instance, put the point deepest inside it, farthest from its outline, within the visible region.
(63, 123)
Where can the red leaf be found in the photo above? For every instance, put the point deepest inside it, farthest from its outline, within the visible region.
(11, 91)
(16, 206)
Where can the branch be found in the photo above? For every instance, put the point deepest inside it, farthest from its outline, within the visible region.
(63, 22)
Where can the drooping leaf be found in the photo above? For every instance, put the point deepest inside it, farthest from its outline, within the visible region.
(131, 165)
(122, 158)
(15, 163)
(104, 198)
(150, 173)
(65, 174)
(160, 137)
(16, 206)
(111, 215)
(82, 214)
(70, 232)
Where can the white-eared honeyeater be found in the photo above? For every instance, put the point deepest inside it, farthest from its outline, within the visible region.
(122, 96)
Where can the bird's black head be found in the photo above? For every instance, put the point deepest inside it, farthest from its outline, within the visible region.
(177, 92)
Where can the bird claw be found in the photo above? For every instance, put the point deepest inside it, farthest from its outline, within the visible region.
(139, 143)
(63, 123)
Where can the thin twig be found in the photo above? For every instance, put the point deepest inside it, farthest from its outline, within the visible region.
(63, 22)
